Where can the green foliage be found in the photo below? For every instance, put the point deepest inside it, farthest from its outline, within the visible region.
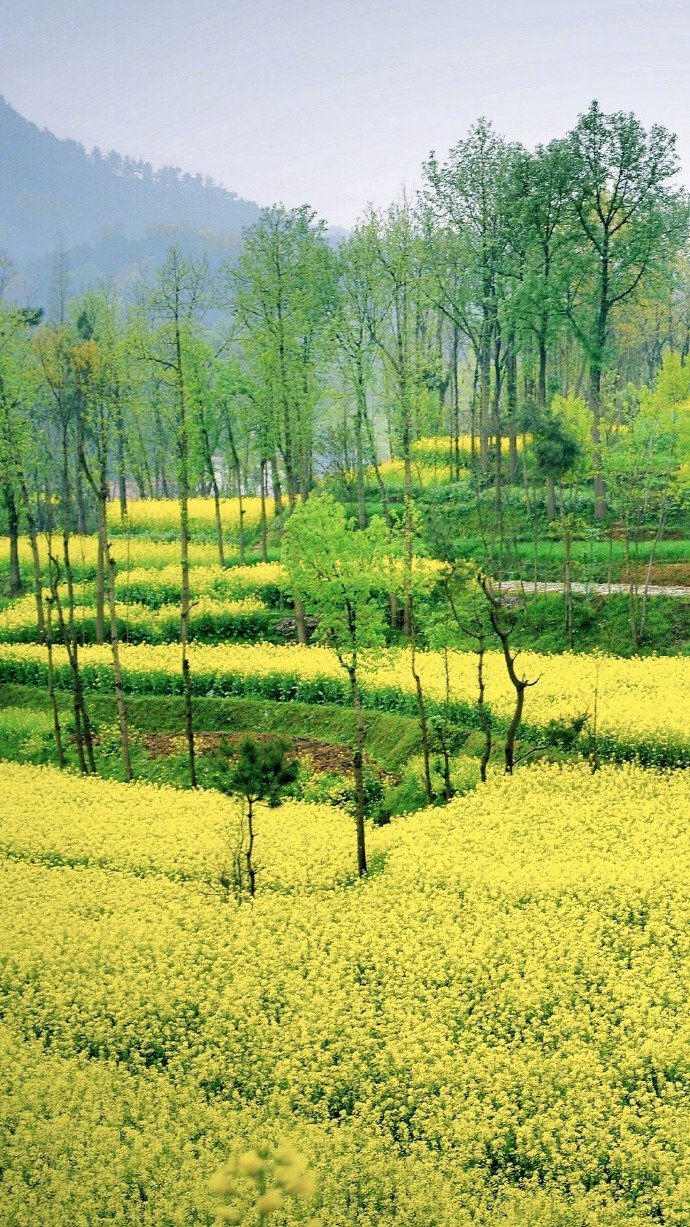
(342, 794)
(257, 770)
(404, 798)
(339, 572)
(556, 449)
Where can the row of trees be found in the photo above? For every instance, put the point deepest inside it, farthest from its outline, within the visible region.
(513, 276)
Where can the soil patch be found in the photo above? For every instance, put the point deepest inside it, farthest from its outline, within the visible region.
(321, 755)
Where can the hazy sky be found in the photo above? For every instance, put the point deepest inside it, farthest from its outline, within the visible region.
(335, 103)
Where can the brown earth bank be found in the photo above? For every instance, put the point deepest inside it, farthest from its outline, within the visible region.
(321, 755)
(675, 574)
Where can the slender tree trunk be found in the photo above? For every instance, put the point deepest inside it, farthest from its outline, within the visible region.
(455, 431)
(57, 728)
(483, 715)
(543, 354)
(513, 728)
(519, 684)
(484, 393)
(264, 527)
(360, 415)
(184, 558)
(385, 506)
(82, 727)
(550, 498)
(35, 558)
(277, 491)
(423, 722)
(120, 453)
(358, 769)
(251, 869)
(68, 630)
(568, 580)
(300, 623)
(238, 478)
(120, 700)
(16, 586)
(100, 564)
(81, 505)
(445, 747)
(215, 489)
(219, 522)
(595, 373)
(241, 513)
(511, 392)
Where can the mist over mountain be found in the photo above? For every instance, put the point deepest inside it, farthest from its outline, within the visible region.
(113, 215)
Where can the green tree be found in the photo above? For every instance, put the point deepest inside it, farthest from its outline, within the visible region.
(627, 221)
(468, 198)
(172, 311)
(259, 771)
(283, 291)
(340, 573)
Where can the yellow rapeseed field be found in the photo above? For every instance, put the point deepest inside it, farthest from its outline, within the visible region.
(20, 616)
(129, 552)
(205, 579)
(440, 444)
(163, 514)
(492, 1030)
(642, 698)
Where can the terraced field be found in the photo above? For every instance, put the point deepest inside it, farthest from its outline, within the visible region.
(489, 1029)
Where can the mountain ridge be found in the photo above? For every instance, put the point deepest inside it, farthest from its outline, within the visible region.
(107, 211)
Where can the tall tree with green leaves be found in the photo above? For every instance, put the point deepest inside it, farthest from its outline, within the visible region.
(627, 221)
(283, 291)
(466, 199)
(339, 572)
(172, 312)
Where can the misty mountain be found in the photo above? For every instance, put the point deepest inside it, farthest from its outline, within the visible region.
(114, 215)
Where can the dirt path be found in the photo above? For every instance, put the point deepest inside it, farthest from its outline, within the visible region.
(516, 585)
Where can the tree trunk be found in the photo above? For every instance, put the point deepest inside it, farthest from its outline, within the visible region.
(300, 623)
(277, 491)
(511, 393)
(264, 527)
(483, 715)
(484, 393)
(550, 499)
(568, 582)
(519, 684)
(423, 723)
(251, 870)
(513, 727)
(35, 558)
(360, 415)
(219, 522)
(120, 452)
(57, 728)
(82, 726)
(117, 673)
(100, 565)
(358, 769)
(595, 374)
(184, 559)
(240, 504)
(16, 586)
